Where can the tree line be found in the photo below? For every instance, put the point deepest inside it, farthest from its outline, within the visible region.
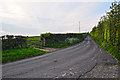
(107, 31)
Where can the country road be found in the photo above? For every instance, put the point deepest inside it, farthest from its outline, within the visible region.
(76, 61)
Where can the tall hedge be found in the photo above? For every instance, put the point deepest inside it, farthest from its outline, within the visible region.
(51, 39)
(12, 42)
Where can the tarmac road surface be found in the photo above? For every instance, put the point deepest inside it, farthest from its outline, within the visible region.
(71, 62)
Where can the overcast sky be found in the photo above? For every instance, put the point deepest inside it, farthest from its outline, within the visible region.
(34, 17)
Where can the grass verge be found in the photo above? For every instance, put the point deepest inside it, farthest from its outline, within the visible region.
(18, 54)
(113, 50)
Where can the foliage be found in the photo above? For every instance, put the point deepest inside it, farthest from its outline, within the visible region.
(62, 40)
(44, 35)
(13, 42)
(71, 40)
(21, 53)
(107, 32)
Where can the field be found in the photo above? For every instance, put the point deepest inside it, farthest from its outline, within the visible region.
(34, 38)
(34, 41)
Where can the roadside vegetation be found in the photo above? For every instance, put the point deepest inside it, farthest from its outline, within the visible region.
(16, 47)
(13, 42)
(21, 53)
(63, 40)
(107, 32)
(20, 47)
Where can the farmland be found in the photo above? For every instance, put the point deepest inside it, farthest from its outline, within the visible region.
(34, 38)
(34, 41)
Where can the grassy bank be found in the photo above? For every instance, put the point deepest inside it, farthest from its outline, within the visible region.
(113, 50)
(18, 54)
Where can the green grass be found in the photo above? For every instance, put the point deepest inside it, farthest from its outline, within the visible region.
(113, 50)
(18, 54)
(34, 41)
(34, 38)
